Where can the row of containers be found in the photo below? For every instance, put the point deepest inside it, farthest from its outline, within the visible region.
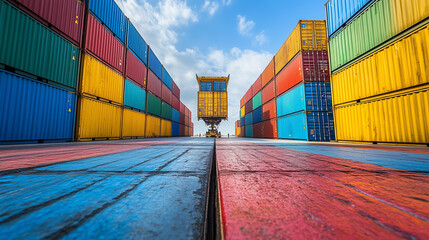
(81, 71)
(291, 99)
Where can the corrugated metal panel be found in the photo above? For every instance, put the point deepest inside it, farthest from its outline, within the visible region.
(242, 102)
(243, 131)
(165, 128)
(267, 129)
(101, 81)
(220, 104)
(401, 65)
(269, 110)
(153, 105)
(257, 115)
(99, 120)
(181, 130)
(243, 111)
(37, 50)
(238, 132)
(136, 43)
(135, 97)
(268, 73)
(154, 84)
(212, 104)
(269, 92)
(176, 90)
(206, 87)
(175, 115)
(307, 35)
(33, 111)
(248, 96)
(134, 124)
(248, 119)
(219, 86)
(175, 129)
(154, 64)
(111, 15)
(248, 107)
(64, 15)
(399, 118)
(166, 94)
(257, 85)
(380, 22)
(257, 100)
(166, 79)
(175, 103)
(136, 70)
(249, 131)
(153, 126)
(243, 121)
(166, 111)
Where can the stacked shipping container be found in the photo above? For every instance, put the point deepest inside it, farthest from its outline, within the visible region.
(107, 95)
(380, 81)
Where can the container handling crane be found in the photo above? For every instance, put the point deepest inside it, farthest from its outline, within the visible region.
(213, 102)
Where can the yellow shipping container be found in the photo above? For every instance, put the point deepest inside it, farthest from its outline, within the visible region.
(133, 124)
(153, 126)
(243, 111)
(101, 81)
(212, 104)
(220, 104)
(165, 128)
(187, 131)
(237, 131)
(400, 65)
(98, 120)
(395, 118)
(309, 35)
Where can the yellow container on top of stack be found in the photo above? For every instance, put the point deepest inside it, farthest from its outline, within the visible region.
(308, 35)
(153, 126)
(133, 124)
(212, 104)
(165, 128)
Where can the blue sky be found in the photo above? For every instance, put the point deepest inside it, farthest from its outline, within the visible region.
(219, 37)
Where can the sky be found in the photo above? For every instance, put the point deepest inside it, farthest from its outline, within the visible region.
(217, 38)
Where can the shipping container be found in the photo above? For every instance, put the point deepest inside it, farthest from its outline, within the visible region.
(175, 129)
(175, 115)
(134, 97)
(133, 124)
(176, 90)
(238, 132)
(243, 121)
(242, 102)
(154, 84)
(181, 130)
(308, 66)
(400, 65)
(136, 70)
(315, 96)
(401, 117)
(243, 131)
(243, 111)
(166, 79)
(165, 128)
(307, 36)
(268, 73)
(33, 111)
(248, 119)
(219, 86)
(98, 80)
(166, 94)
(166, 111)
(257, 115)
(249, 131)
(154, 64)
(153, 126)
(248, 96)
(212, 104)
(101, 43)
(257, 86)
(269, 110)
(248, 107)
(311, 126)
(153, 105)
(66, 16)
(269, 92)
(98, 120)
(109, 13)
(206, 87)
(36, 50)
(266, 129)
(257, 100)
(377, 24)
(136, 43)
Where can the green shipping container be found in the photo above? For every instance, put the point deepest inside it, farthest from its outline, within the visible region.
(134, 96)
(167, 111)
(153, 105)
(31, 47)
(257, 100)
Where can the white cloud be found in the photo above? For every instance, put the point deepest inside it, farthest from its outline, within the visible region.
(226, 2)
(244, 27)
(210, 7)
(261, 38)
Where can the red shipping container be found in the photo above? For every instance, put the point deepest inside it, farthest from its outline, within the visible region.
(269, 92)
(154, 84)
(248, 96)
(268, 73)
(181, 130)
(101, 43)
(257, 130)
(269, 110)
(242, 102)
(136, 70)
(182, 118)
(267, 129)
(243, 132)
(248, 107)
(176, 103)
(66, 16)
(166, 94)
(257, 85)
(176, 90)
(182, 108)
(308, 66)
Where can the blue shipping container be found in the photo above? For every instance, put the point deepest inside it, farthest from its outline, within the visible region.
(242, 122)
(166, 78)
(109, 13)
(33, 111)
(154, 64)
(206, 87)
(176, 115)
(248, 119)
(257, 115)
(249, 131)
(134, 96)
(219, 86)
(175, 129)
(136, 43)
(315, 96)
(340, 12)
(313, 126)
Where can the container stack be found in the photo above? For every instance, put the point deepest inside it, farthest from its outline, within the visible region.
(292, 97)
(379, 55)
(238, 128)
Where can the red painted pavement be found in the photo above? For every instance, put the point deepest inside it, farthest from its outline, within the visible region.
(268, 192)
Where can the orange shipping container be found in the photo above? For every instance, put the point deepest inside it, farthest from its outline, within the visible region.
(268, 73)
(269, 92)
(256, 87)
(269, 110)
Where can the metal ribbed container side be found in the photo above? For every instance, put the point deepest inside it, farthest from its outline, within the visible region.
(167, 111)
(136, 43)
(397, 118)
(176, 90)
(101, 81)
(103, 44)
(153, 126)
(243, 111)
(268, 73)
(248, 96)
(166, 94)
(37, 50)
(267, 129)
(257, 115)
(175, 129)
(248, 119)
(165, 128)
(65, 15)
(154, 64)
(257, 85)
(269, 110)
(181, 130)
(109, 13)
(257, 100)
(249, 131)
(33, 111)
(385, 70)
(175, 103)
(269, 92)
(380, 22)
(133, 124)
(166, 79)
(248, 107)
(153, 105)
(136, 70)
(134, 97)
(175, 115)
(154, 84)
(242, 102)
(242, 121)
